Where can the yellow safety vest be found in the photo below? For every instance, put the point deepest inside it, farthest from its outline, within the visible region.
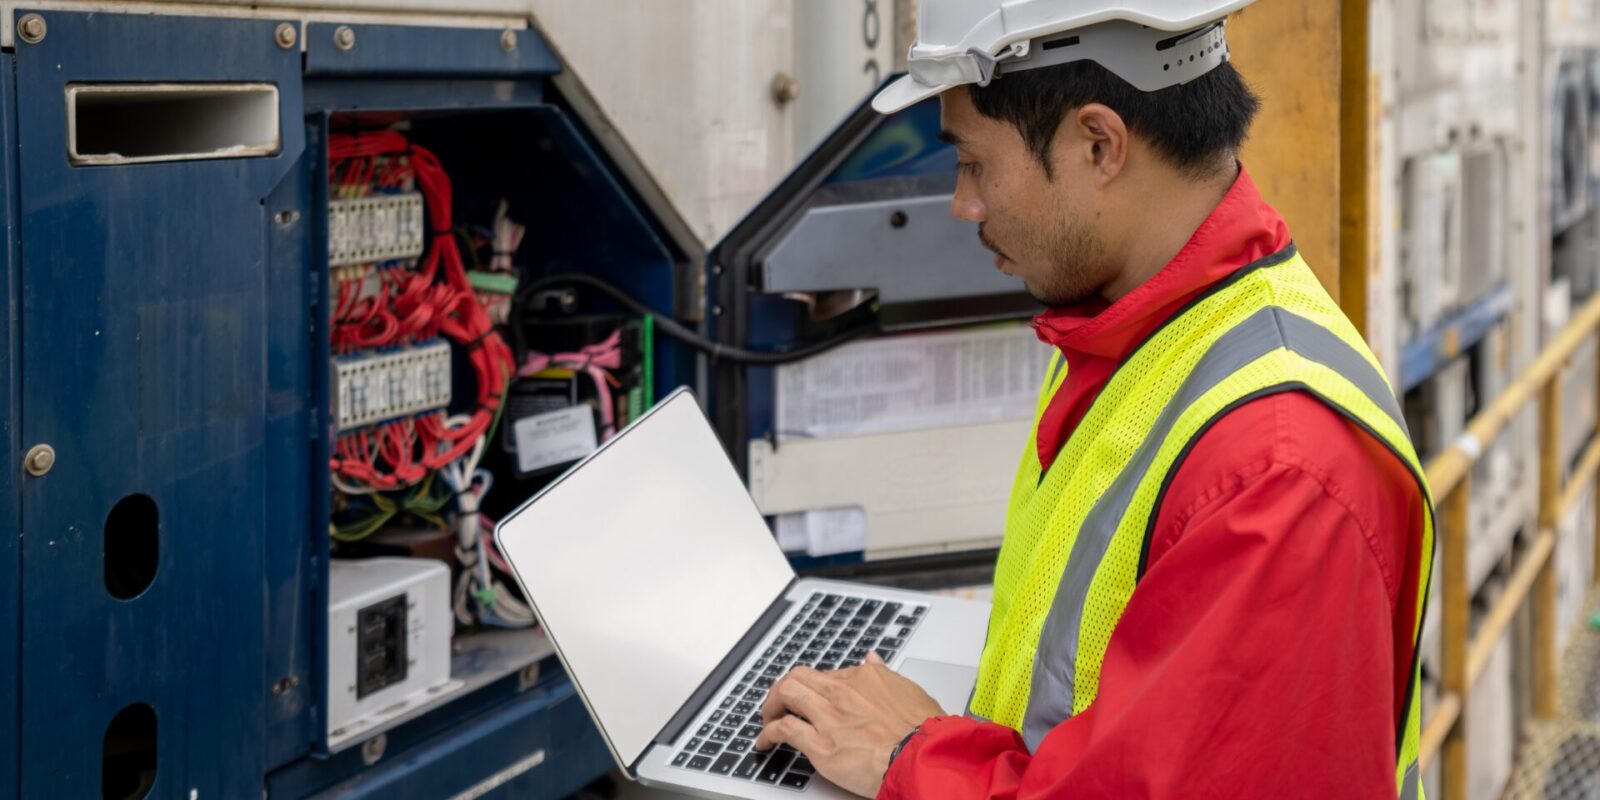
(1076, 536)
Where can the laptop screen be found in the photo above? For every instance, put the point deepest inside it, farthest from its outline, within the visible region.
(647, 564)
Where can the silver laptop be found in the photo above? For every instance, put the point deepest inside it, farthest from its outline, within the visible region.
(674, 611)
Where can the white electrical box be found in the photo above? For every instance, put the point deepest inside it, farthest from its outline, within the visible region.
(389, 628)
(1430, 259)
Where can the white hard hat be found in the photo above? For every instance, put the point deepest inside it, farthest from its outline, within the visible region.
(1151, 44)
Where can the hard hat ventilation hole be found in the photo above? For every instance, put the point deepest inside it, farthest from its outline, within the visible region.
(1065, 41)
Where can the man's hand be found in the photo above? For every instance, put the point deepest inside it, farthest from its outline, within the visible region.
(847, 722)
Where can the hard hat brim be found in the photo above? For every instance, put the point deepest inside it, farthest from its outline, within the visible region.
(903, 93)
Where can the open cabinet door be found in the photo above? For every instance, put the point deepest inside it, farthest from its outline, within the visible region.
(149, 148)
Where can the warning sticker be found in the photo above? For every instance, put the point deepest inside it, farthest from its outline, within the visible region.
(555, 438)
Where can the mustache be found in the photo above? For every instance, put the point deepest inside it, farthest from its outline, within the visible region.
(988, 244)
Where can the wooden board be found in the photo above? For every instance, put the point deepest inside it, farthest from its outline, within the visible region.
(1289, 52)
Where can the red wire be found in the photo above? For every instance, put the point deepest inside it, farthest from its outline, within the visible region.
(425, 304)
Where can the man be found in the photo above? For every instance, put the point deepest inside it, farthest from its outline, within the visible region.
(1212, 431)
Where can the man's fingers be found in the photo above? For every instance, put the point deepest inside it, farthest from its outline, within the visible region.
(874, 658)
(793, 731)
(794, 695)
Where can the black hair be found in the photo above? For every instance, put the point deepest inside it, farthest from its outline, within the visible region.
(1192, 125)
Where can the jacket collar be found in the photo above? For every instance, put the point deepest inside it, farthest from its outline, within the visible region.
(1242, 229)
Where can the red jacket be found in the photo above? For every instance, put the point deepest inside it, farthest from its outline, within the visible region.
(1267, 649)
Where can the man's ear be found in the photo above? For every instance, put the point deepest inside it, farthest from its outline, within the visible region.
(1106, 136)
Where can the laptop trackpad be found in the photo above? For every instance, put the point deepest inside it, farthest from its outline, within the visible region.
(949, 684)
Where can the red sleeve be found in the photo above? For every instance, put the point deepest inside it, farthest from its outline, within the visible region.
(1256, 658)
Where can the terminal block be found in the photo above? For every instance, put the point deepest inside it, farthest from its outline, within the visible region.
(380, 227)
(374, 387)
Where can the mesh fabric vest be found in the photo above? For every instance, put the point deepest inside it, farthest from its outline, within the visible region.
(1077, 536)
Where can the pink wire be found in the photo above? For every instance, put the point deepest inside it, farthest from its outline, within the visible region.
(593, 361)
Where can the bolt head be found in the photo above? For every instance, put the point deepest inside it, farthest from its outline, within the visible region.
(785, 90)
(32, 28)
(344, 38)
(372, 749)
(286, 35)
(508, 40)
(40, 460)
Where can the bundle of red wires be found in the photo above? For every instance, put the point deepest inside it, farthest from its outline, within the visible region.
(434, 300)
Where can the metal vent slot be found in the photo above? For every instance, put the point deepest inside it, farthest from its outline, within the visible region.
(137, 123)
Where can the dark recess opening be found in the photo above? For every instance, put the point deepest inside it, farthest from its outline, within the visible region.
(128, 755)
(132, 546)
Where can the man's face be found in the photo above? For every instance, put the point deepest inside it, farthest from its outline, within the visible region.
(1043, 229)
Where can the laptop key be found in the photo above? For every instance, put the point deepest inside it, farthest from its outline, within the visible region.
(887, 613)
(680, 759)
(732, 721)
(885, 653)
(866, 641)
(894, 643)
(750, 766)
(795, 780)
(858, 653)
(802, 764)
(721, 734)
(699, 762)
(725, 764)
(704, 730)
(783, 658)
(693, 744)
(769, 652)
(764, 683)
(831, 600)
(919, 610)
(810, 655)
(739, 745)
(906, 620)
(827, 666)
(772, 671)
(727, 701)
(755, 695)
(776, 764)
(715, 715)
(850, 662)
(760, 662)
(740, 688)
(710, 749)
(750, 731)
(851, 601)
(904, 632)
(744, 708)
(876, 630)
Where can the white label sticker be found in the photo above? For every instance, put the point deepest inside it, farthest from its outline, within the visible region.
(558, 437)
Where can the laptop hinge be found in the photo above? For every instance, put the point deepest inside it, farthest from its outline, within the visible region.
(735, 657)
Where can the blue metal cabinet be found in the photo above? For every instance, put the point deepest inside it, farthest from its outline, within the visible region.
(145, 334)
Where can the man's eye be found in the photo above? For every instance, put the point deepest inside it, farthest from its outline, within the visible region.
(969, 167)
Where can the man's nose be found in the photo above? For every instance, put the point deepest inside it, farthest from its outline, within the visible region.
(966, 206)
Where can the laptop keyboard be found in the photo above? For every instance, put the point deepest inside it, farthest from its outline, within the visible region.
(830, 631)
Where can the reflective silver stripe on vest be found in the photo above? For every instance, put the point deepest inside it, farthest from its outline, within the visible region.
(1411, 783)
(1055, 661)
